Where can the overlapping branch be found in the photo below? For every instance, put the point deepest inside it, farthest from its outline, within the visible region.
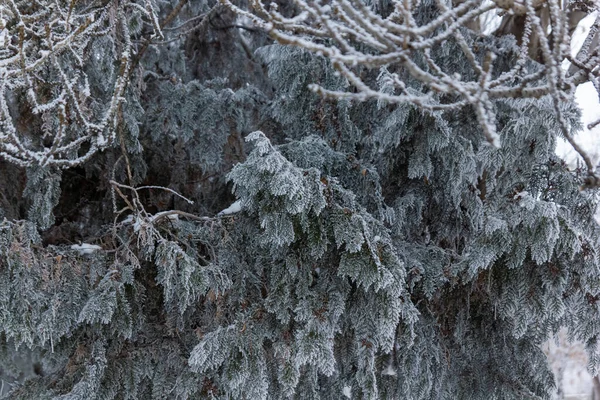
(351, 35)
(44, 53)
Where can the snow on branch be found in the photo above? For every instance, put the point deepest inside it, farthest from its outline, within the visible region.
(86, 248)
(351, 34)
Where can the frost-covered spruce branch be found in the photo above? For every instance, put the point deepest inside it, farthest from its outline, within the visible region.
(352, 35)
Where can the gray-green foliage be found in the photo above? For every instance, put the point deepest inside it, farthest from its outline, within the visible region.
(380, 251)
(43, 190)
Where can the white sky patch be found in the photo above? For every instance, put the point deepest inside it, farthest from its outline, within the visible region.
(587, 100)
(490, 21)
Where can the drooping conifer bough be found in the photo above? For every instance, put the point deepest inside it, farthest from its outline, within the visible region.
(308, 199)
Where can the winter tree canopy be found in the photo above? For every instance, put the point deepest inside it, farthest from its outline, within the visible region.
(296, 199)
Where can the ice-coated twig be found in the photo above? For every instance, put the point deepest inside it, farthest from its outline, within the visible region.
(166, 189)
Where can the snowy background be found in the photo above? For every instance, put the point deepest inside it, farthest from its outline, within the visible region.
(569, 360)
(587, 99)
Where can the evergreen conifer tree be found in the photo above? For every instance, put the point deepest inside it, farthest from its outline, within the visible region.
(308, 200)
